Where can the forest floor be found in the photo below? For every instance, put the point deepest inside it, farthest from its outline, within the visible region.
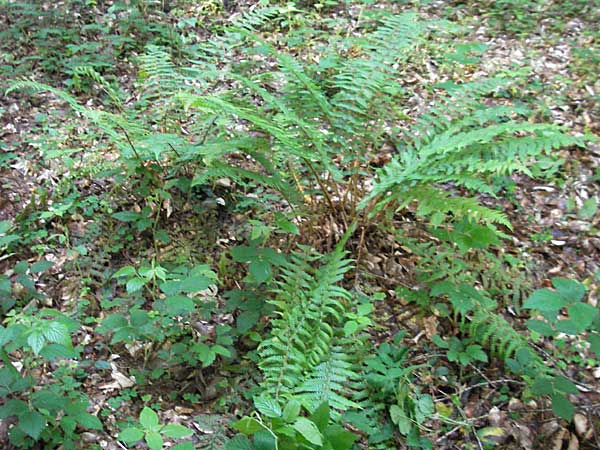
(555, 232)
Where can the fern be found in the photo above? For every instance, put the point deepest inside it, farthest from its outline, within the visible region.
(307, 354)
(466, 150)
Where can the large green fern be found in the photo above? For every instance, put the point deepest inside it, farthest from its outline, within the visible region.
(463, 143)
(308, 355)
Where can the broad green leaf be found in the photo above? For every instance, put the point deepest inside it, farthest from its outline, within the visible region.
(56, 332)
(41, 266)
(594, 340)
(204, 354)
(184, 446)
(583, 314)
(68, 424)
(267, 406)
(154, 440)
(179, 305)
(89, 421)
(48, 400)
(239, 442)
(308, 430)
(321, 416)
(246, 320)
(58, 351)
(135, 284)
(541, 327)
(588, 209)
(13, 407)
(243, 253)
(176, 431)
(545, 300)
(5, 225)
(260, 270)
(542, 386)
(264, 440)
(565, 385)
(148, 419)
(220, 350)
(32, 423)
(569, 290)
(36, 341)
(6, 335)
(287, 226)
(126, 216)
(567, 326)
(195, 284)
(291, 410)
(350, 327)
(340, 438)
(131, 435)
(114, 321)
(247, 425)
(562, 407)
(399, 418)
(126, 271)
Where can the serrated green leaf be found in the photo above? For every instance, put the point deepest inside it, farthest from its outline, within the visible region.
(541, 327)
(542, 386)
(321, 416)
(135, 284)
(184, 446)
(179, 305)
(588, 209)
(545, 300)
(583, 314)
(13, 407)
(56, 332)
(154, 440)
(264, 440)
(260, 271)
(48, 400)
(126, 271)
(32, 423)
(291, 410)
(36, 341)
(247, 425)
(569, 290)
(339, 438)
(176, 431)
(195, 284)
(565, 385)
(239, 442)
(267, 406)
(594, 341)
(41, 266)
(126, 216)
(562, 407)
(246, 320)
(308, 430)
(148, 419)
(89, 421)
(131, 435)
(567, 326)
(350, 327)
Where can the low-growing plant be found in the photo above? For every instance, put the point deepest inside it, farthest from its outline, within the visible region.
(149, 429)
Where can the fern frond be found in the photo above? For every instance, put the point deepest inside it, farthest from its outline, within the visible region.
(307, 354)
(330, 381)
